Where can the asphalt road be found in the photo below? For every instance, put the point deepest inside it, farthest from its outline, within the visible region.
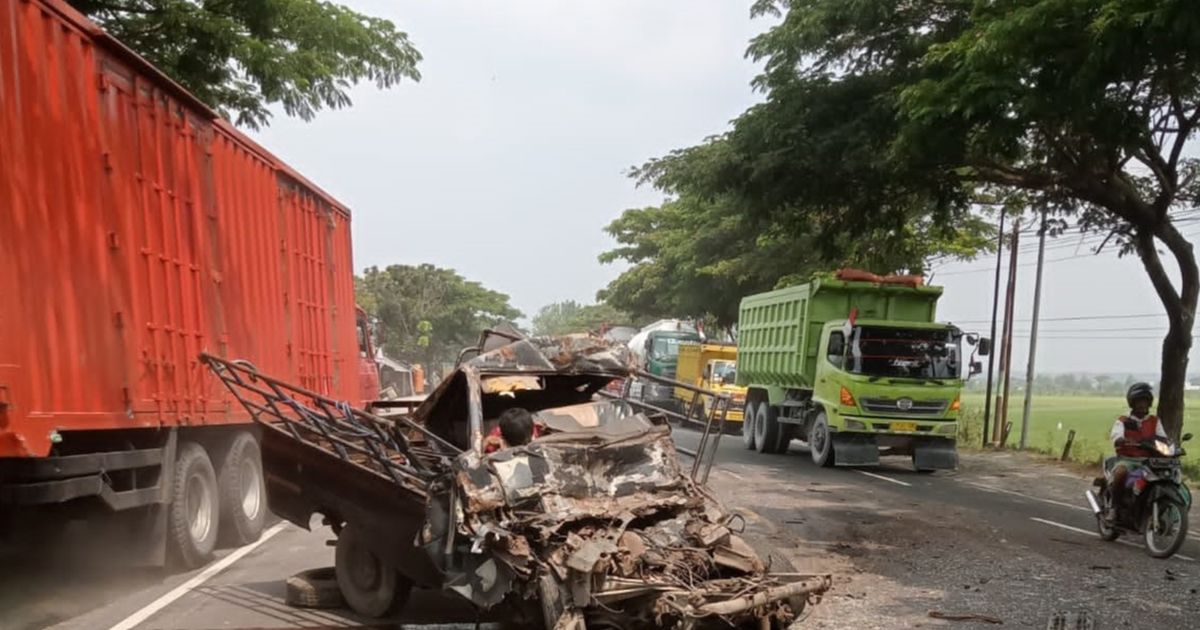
(1007, 536)
(1003, 538)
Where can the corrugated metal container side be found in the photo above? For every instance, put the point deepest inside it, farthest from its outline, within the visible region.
(137, 230)
(779, 331)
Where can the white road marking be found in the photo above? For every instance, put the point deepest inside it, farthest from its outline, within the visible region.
(734, 475)
(1030, 497)
(895, 481)
(1086, 532)
(134, 620)
(1078, 508)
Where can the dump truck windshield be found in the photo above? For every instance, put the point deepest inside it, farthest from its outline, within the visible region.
(902, 353)
(724, 371)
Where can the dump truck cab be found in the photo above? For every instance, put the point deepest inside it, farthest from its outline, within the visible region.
(713, 367)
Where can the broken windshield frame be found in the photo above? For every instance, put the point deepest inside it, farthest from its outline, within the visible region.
(918, 353)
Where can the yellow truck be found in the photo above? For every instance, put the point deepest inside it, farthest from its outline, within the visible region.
(711, 366)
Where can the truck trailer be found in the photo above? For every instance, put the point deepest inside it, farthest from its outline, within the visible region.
(856, 365)
(137, 230)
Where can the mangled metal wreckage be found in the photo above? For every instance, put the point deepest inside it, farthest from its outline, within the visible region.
(594, 524)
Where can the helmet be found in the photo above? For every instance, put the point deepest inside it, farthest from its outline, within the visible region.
(1139, 390)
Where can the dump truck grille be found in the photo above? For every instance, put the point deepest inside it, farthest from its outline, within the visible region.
(904, 406)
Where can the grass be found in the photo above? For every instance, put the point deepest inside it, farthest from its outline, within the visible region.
(1052, 417)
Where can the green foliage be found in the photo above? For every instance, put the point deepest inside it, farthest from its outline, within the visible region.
(426, 313)
(240, 56)
(561, 318)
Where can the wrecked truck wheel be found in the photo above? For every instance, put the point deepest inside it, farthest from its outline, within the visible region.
(748, 425)
(778, 563)
(243, 492)
(195, 511)
(766, 428)
(370, 586)
(314, 588)
(820, 441)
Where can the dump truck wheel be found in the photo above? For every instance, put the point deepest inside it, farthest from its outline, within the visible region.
(315, 588)
(766, 428)
(243, 492)
(820, 441)
(194, 515)
(748, 424)
(371, 587)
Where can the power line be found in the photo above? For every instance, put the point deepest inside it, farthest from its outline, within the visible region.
(1073, 318)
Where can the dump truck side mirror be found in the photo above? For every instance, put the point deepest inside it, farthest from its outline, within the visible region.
(976, 368)
(985, 346)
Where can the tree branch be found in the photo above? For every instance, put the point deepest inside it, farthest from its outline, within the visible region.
(1144, 241)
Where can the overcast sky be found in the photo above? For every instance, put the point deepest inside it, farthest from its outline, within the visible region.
(509, 157)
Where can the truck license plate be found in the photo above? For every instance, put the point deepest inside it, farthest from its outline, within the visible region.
(904, 426)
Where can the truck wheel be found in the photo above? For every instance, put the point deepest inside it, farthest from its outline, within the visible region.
(371, 587)
(195, 510)
(243, 493)
(748, 425)
(820, 441)
(766, 428)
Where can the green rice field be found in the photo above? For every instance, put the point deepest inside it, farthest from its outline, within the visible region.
(1052, 417)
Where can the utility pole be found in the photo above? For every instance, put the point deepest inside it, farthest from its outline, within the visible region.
(1006, 352)
(987, 404)
(1033, 333)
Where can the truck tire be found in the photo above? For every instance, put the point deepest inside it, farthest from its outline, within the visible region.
(766, 428)
(748, 424)
(243, 492)
(371, 587)
(820, 441)
(314, 588)
(194, 514)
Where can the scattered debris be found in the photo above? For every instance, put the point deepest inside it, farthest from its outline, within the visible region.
(935, 614)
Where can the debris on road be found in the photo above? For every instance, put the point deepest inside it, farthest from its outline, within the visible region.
(965, 617)
(592, 524)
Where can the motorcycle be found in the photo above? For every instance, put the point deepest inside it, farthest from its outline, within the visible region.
(1157, 505)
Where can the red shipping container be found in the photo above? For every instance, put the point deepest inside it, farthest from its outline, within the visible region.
(138, 229)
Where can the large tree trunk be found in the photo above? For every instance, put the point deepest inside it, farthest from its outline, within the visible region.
(1181, 314)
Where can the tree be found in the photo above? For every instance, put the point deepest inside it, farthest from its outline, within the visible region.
(426, 313)
(240, 56)
(567, 317)
(1082, 106)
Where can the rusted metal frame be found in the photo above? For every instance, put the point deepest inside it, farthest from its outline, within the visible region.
(703, 450)
(370, 434)
(310, 420)
(641, 405)
(218, 364)
(474, 409)
(762, 598)
(723, 401)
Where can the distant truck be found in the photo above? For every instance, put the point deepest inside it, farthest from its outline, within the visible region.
(711, 366)
(656, 350)
(137, 230)
(855, 365)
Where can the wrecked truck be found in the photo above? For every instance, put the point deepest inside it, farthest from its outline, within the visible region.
(593, 524)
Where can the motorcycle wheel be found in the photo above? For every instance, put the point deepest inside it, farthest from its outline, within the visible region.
(1165, 537)
(1108, 532)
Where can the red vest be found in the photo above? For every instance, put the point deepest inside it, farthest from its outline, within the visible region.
(1148, 430)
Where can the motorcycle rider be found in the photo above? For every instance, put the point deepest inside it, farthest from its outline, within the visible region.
(1127, 433)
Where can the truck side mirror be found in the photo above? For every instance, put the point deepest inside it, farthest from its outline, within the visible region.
(708, 372)
(985, 346)
(976, 368)
(1186, 437)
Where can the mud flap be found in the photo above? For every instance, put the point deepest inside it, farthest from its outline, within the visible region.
(935, 455)
(855, 449)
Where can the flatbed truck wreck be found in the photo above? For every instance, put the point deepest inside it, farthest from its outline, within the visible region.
(138, 229)
(593, 524)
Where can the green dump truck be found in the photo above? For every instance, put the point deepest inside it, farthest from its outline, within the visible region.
(855, 365)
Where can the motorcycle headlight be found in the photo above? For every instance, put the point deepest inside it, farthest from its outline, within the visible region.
(1163, 448)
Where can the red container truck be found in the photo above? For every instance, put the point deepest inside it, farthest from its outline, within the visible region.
(138, 229)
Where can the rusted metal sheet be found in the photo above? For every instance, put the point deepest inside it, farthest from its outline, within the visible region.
(139, 230)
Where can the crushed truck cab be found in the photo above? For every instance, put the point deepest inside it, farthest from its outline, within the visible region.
(856, 366)
(591, 524)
